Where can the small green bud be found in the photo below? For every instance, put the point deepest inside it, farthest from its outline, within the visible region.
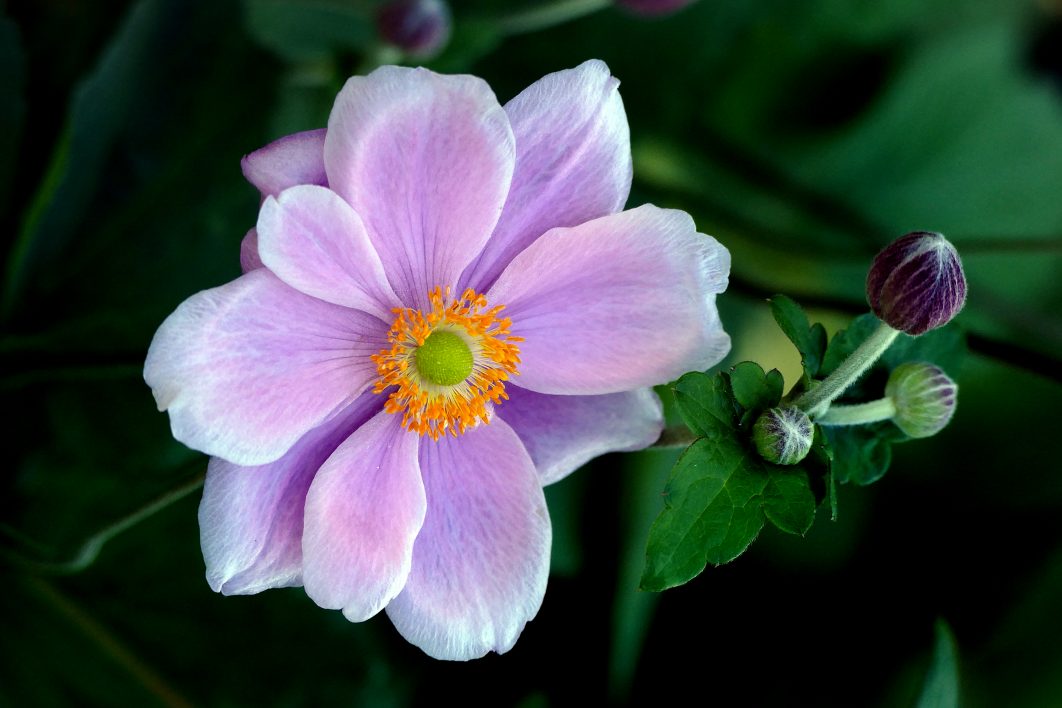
(924, 397)
(783, 435)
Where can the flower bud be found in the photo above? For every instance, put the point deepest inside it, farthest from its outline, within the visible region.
(653, 7)
(924, 397)
(783, 435)
(418, 27)
(917, 284)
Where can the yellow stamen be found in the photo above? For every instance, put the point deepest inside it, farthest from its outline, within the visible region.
(434, 409)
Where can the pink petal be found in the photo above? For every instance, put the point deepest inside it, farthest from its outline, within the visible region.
(363, 512)
(573, 162)
(426, 161)
(563, 433)
(249, 258)
(317, 244)
(481, 560)
(250, 518)
(291, 160)
(247, 368)
(618, 303)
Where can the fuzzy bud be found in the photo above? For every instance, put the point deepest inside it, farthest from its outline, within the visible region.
(783, 435)
(917, 283)
(418, 27)
(924, 397)
(653, 7)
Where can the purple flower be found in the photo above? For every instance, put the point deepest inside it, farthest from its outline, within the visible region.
(917, 283)
(444, 309)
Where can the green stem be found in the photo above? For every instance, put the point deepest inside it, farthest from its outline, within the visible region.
(859, 414)
(91, 547)
(674, 436)
(815, 401)
(548, 15)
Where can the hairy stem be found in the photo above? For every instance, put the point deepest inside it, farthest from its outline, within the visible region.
(859, 413)
(815, 401)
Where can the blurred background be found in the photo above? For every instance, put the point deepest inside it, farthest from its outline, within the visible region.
(803, 135)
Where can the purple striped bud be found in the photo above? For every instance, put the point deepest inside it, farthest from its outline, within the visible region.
(783, 435)
(420, 28)
(653, 7)
(924, 397)
(917, 284)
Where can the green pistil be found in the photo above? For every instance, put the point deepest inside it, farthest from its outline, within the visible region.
(444, 359)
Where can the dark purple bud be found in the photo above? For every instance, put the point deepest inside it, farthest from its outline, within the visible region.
(917, 284)
(783, 435)
(653, 7)
(924, 397)
(420, 28)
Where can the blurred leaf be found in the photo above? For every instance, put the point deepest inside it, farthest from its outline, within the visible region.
(810, 340)
(705, 403)
(941, 688)
(99, 110)
(12, 104)
(300, 29)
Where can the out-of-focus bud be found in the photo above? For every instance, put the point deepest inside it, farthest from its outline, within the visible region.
(653, 7)
(917, 284)
(924, 397)
(420, 28)
(783, 435)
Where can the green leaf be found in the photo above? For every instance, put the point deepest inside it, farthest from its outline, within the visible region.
(847, 340)
(809, 340)
(861, 454)
(945, 347)
(941, 689)
(712, 513)
(705, 403)
(753, 389)
(788, 501)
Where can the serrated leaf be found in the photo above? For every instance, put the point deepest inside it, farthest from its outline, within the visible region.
(705, 403)
(751, 387)
(788, 501)
(861, 454)
(810, 341)
(712, 513)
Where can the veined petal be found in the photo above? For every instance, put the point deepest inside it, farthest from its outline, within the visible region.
(317, 244)
(286, 162)
(563, 433)
(617, 303)
(426, 161)
(481, 560)
(250, 518)
(246, 369)
(573, 162)
(363, 512)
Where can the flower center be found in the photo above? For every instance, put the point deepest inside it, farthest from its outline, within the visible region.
(444, 358)
(447, 365)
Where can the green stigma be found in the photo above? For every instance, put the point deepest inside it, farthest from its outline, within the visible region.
(444, 359)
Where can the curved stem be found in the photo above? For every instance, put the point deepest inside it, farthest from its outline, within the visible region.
(859, 413)
(548, 15)
(815, 401)
(91, 547)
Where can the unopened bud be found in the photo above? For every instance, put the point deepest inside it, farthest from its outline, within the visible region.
(783, 435)
(917, 283)
(653, 7)
(418, 27)
(924, 397)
